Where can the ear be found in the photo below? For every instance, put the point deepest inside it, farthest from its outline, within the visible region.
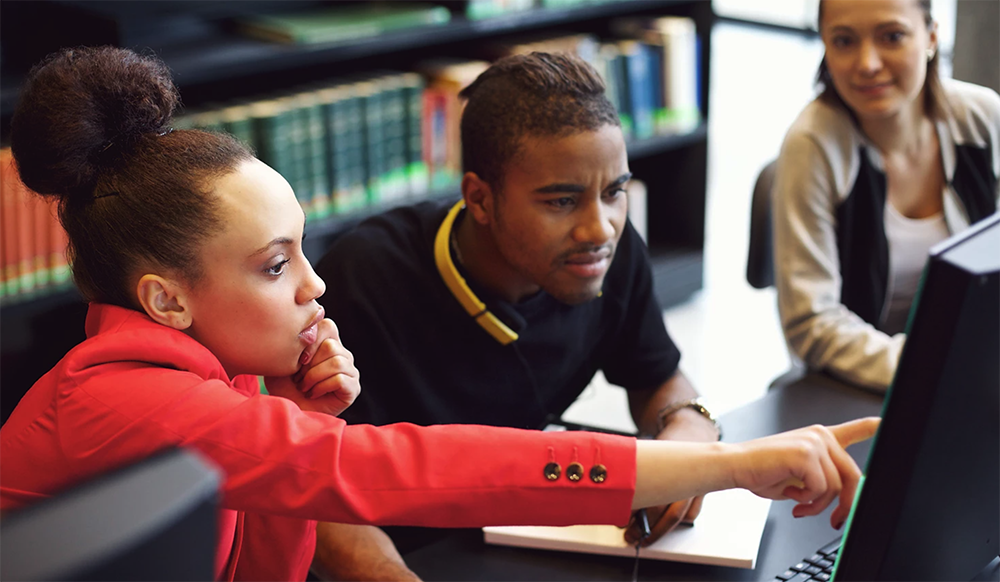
(164, 301)
(932, 37)
(479, 198)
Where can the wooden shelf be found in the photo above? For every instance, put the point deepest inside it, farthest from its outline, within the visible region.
(226, 56)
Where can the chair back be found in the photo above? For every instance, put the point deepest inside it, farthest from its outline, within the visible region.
(760, 256)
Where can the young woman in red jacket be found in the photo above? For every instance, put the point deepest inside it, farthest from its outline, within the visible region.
(189, 250)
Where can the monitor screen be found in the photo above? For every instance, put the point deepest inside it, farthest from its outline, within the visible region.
(929, 508)
(154, 520)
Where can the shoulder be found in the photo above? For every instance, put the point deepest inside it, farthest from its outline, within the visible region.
(820, 149)
(826, 127)
(973, 112)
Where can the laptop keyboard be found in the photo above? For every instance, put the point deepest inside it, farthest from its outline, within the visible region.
(818, 567)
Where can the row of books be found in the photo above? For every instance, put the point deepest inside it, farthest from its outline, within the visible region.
(651, 72)
(347, 144)
(344, 145)
(33, 243)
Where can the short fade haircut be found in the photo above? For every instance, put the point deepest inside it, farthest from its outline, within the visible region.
(539, 95)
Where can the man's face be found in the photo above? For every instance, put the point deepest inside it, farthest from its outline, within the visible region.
(561, 212)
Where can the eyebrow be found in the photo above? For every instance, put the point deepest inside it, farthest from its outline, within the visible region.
(881, 25)
(562, 187)
(281, 240)
(284, 240)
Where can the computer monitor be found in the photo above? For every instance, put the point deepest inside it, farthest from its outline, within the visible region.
(154, 520)
(929, 508)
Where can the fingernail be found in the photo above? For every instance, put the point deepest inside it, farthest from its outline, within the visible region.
(304, 359)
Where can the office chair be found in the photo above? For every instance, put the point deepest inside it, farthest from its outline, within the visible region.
(760, 257)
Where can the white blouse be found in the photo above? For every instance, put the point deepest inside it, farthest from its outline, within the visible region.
(910, 239)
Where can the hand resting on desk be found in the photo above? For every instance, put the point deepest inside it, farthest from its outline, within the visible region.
(684, 425)
(808, 465)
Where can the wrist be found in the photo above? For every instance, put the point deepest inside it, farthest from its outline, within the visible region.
(691, 409)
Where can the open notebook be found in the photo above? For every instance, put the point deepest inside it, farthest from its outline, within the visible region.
(726, 533)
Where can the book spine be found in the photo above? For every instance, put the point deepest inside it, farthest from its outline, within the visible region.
(317, 156)
(3, 247)
(618, 68)
(680, 72)
(300, 177)
(42, 225)
(237, 121)
(639, 88)
(355, 149)
(58, 244)
(416, 168)
(272, 136)
(394, 124)
(336, 139)
(374, 136)
(435, 138)
(25, 223)
(10, 224)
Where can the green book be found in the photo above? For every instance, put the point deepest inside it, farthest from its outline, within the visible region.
(316, 155)
(271, 134)
(343, 23)
(374, 139)
(236, 120)
(394, 178)
(301, 178)
(416, 167)
(354, 153)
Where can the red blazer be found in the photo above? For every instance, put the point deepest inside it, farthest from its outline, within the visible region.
(135, 387)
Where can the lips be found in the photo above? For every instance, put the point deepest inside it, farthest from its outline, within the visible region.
(872, 89)
(588, 265)
(311, 330)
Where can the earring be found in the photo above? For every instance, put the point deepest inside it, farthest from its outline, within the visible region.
(930, 54)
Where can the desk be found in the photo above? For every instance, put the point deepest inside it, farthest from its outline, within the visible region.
(462, 555)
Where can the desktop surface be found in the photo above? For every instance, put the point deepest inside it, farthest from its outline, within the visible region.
(462, 555)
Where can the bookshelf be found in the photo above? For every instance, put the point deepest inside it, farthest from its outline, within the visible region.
(212, 64)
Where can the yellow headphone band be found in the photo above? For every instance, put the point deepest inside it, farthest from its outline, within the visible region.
(459, 288)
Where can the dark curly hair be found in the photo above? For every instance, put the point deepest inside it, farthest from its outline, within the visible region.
(934, 99)
(92, 128)
(538, 94)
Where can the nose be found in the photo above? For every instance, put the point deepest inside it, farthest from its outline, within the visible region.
(869, 60)
(595, 225)
(312, 287)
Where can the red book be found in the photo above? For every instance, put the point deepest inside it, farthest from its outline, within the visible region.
(25, 213)
(3, 246)
(8, 198)
(42, 248)
(59, 272)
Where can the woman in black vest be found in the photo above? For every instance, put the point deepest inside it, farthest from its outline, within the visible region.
(887, 161)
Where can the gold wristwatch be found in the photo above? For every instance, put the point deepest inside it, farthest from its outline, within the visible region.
(696, 403)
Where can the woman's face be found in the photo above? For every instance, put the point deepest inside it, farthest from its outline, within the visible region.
(877, 53)
(255, 305)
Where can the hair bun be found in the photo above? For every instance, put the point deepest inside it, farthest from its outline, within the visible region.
(81, 110)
